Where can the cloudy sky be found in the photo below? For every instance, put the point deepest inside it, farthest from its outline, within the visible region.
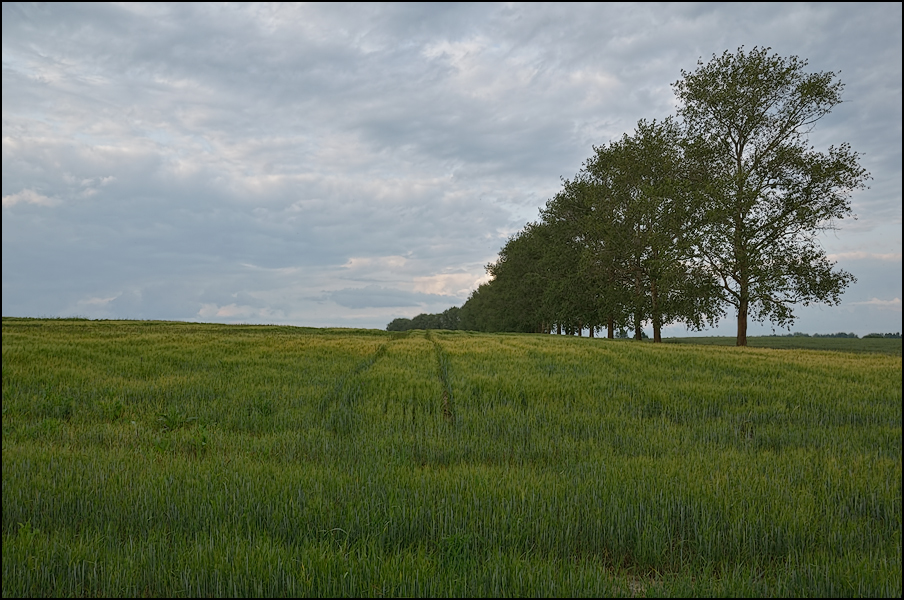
(346, 164)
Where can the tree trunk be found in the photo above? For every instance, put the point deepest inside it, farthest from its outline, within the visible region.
(611, 326)
(742, 320)
(742, 257)
(638, 332)
(591, 332)
(657, 318)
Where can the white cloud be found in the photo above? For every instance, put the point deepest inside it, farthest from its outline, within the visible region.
(863, 255)
(893, 305)
(29, 197)
(375, 263)
(375, 296)
(100, 301)
(234, 312)
(449, 284)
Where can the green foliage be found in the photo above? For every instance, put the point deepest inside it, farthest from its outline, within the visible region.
(349, 463)
(400, 324)
(767, 193)
(522, 287)
(840, 334)
(721, 207)
(837, 343)
(644, 221)
(448, 319)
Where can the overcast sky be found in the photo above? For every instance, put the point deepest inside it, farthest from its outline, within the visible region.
(346, 164)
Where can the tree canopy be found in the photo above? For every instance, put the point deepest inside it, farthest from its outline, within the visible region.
(767, 193)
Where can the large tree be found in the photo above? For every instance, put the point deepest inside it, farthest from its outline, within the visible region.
(768, 193)
(514, 299)
(578, 293)
(643, 226)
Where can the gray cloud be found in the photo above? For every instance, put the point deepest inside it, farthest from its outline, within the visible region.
(231, 162)
(375, 296)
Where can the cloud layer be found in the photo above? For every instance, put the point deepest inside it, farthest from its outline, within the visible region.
(331, 164)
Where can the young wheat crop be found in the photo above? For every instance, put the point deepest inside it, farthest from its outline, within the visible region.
(179, 459)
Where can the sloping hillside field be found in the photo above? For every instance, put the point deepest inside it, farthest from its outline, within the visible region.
(180, 459)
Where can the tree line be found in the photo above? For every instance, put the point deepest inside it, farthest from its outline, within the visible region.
(714, 210)
(448, 319)
(841, 334)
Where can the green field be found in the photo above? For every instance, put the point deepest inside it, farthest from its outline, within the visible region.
(181, 459)
(874, 345)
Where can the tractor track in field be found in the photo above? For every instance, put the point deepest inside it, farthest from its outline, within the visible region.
(338, 405)
(341, 389)
(442, 371)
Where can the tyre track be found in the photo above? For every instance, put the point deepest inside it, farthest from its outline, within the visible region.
(442, 370)
(337, 406)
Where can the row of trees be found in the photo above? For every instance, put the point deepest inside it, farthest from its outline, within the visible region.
(448, 319)
(896, 335)
(684, 219)
(452, 319)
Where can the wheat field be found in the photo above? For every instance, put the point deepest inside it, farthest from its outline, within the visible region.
(186, 459)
